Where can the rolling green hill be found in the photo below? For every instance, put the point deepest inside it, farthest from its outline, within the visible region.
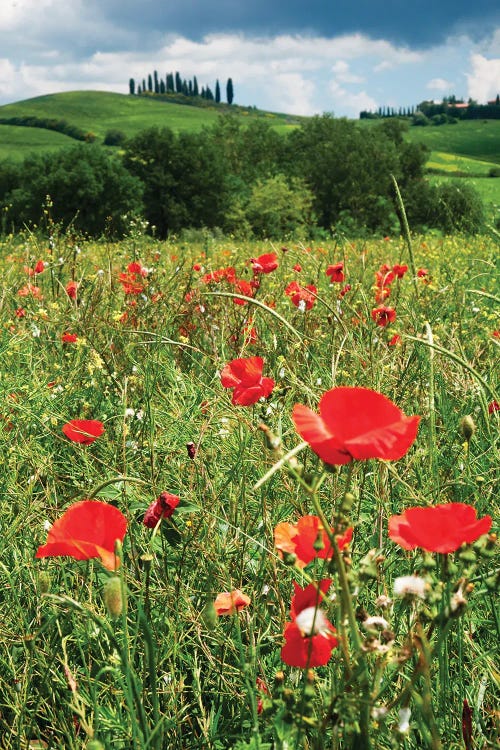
(475, 139)
(99, 111)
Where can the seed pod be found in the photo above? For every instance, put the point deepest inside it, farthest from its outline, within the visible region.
(112, 595)
(467, 427)
(43, 581)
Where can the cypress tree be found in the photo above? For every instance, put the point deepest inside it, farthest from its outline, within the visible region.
(190, 87)
(208, 94)
(131, 86)
(170, 83)
(217, 91)
(229, 91)
(178, 83)
(185, 89)
(162, 86)
(139, 90)
(150, 83)
(143, 85)
(157, 85)
(195, 87)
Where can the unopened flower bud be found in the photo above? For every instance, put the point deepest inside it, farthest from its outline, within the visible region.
(289, 558)
(112, 595)
(319, 544)
(43, 581)
(209, 615)
(467, 427)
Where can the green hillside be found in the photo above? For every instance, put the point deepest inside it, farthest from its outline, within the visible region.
(476, 139)
(99, 111)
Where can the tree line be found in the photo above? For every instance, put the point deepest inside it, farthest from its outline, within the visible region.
(328, 175)
(450, 110)
(174, 84)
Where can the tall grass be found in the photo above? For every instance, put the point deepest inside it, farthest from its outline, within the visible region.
(165, 671)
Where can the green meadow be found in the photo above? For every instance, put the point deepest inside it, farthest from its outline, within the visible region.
(204, 628)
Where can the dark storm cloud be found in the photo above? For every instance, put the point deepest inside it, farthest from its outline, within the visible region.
(413, 22)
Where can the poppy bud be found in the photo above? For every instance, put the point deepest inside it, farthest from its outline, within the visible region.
(289, 558)
(209, 615)
(112, 595)
(319, 543)
(191, 449)
(467, 427)
(43, 582)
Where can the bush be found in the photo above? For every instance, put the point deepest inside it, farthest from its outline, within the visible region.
(114, 137)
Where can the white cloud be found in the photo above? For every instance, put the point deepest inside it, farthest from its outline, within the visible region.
(352, 103)
(483, 83)
(439, 84)
(343, 73)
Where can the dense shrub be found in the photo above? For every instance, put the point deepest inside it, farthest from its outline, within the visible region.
(114, 137)
(89, 190)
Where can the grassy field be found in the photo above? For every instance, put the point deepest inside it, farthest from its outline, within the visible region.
(459, 165)
(477, 139)
(193, 641)
(98, 112)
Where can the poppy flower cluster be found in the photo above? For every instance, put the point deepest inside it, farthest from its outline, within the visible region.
(440, 528)
(310, 636)
(307, 540)
(229, 274)
(88, 529)
(355, 424)
(132, 280)
(302, 297)
(245, 377)
(83, 431)
(163, 507)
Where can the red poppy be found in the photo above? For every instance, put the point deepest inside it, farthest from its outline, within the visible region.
(230, 602)
(162, 507)
(355, 423)
(399, 271)
(265, 263)
(197, 267)
(20, 312)
(493, 406)
(69, 338)
(384, 276)
(309, 638)
(381, 295)
(244, 287)
(301, 539)
(396, 340)
(304, 296)
(422, 273)
(132, 283)
(87, 529)
(39, 267)
(83, 431)
(297, 267)
(30, 289)
(72, 288)
(245, 377)
(345, 290)
(441, 528)
(222, 273)
(383, 315)
(336, 272)
(137, 268)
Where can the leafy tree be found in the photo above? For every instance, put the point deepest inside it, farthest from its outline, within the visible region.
(114, 137)
(229, 91)
(131, 87)
(90, 190)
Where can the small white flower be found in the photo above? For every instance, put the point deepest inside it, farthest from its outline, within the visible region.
(139, 415)
(302, 305)
(129, 412)
(379, 712)
(375, 621)
(35, 331)
(100, 272)
(404, 720)
(383, 601)
(201, 308)
(457, 600)
(409, 586)
(312, 621)
(47, 525)
(281, 372)
(318, 381)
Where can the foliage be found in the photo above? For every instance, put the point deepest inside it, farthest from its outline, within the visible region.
(89, 190)
(114, 137)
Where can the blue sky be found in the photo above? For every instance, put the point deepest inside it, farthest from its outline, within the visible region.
(299, 57)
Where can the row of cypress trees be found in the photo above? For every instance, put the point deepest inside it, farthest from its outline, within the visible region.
(174, 84)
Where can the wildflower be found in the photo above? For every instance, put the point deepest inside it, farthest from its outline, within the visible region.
(87, 529)
(297, 267)
(245, 377)
(20, 312)
(396, 340)
(344, 290)
(137, 268)
(441, 528)
(493, 406)
(404, 720)
(215, 276)
(309, 637)
(422, 273)
(39, 267)
(264, 263)
(245, 288)
(307, 540)
(30, 289)
(71, 289)
(230, 602)
(298, 294)
(83, 431)
(355, 423)
(69, 338)
(383, 315)
(163, 507)
(399, 271)
(132, 283)
(336, 273)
